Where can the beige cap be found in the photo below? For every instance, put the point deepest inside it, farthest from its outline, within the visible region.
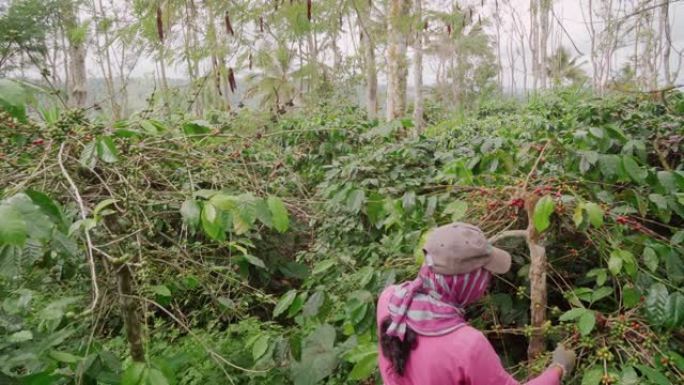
(460, 248)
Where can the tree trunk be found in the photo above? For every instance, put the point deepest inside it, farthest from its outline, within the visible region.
(396, 59)
(364, 20)
(545, 10)
(130, 311)
(666, 41)
(418, 69)
(537, 276)
(534, 42)
(78, 89)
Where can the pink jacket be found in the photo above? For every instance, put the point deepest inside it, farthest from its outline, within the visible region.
(463, 357)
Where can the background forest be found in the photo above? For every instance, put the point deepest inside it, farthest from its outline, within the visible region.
(212, 192)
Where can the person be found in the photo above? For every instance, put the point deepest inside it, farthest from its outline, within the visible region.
(424, 337)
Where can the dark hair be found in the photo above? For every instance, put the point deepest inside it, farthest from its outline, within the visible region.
(396, 350)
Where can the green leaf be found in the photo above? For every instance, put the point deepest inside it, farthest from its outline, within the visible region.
(586, 322)
(284, 303)
(260, 347)
(650, 259)
(88, 157)
(629, 376)
(226, 302)
(375, 208)
(209, 218)
(323, 266)
(633, 169)
(654, 375)
(595, 214)
(102, 205)
(190, 211)
(457, 209)
(364, 367)
(149, 127)
(106, 150)
(13, 229)
(65, 357)
(161, 290)
(263, 213)
(224, 202)
(667, 180)
(677, 238)
(578, 215)
(542, 213)
(657, 304)
(355, 200)
(592, 376)
(197, 127)
(48, 206)
(610, 166)
(135, 374)
(675, 311)
(318, 357)
(281, 220)
(615, 263)
(659, 200)
(256, 261)
(630, 296)
(13, 99)
(674, 265)
(22, 336)
(156, 377)
(600, 293)
(572, 314)
(313, 304)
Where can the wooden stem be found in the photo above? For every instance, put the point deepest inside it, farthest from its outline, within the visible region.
(537, 277)
(129, 310)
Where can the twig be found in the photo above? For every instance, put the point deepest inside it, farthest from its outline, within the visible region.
(89, 243)
(535, 165)
(187, 329)
(508, 234)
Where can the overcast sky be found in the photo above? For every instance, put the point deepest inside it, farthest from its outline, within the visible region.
(569, 12)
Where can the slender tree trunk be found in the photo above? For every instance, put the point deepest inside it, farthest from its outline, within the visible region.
(396, 59)
(78, 89)
(418, 68)
(371, 70)
(534, 41)
(130, 310)
(666, 41)
(596, 75)
(545, 10)
(65, 50)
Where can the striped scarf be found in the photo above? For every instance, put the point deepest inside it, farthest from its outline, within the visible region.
(432, 304)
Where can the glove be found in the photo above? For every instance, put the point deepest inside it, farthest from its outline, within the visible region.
(564, 358)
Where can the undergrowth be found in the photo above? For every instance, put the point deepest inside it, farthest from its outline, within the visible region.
(254, 253)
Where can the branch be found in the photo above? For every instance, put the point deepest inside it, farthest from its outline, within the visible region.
(508, 234)
(89, 243)
(536, 164)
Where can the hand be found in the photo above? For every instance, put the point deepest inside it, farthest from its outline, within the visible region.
(564, 358)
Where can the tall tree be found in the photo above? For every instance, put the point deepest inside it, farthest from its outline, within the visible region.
(77, 34)
(534, 42)
(418, 67)
(544, 32)
(364, 17)
(397, 65)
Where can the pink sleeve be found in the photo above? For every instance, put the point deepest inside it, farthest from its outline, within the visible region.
(486, 368)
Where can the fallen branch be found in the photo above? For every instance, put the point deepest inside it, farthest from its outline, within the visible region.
(89, 243)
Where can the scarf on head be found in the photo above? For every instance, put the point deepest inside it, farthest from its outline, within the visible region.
(432, 304)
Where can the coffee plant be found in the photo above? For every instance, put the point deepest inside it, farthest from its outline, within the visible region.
(178, 251)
